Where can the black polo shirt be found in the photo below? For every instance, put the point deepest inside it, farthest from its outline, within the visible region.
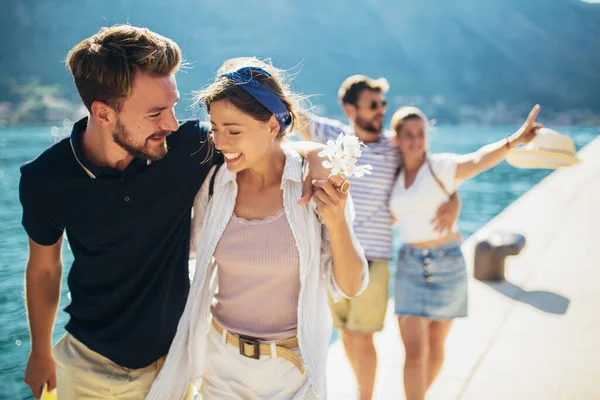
(129, 232)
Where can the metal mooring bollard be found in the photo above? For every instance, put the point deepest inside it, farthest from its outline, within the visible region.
(491, 252)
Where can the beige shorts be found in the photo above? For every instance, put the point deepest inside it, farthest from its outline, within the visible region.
(366, 312)
(84, 374)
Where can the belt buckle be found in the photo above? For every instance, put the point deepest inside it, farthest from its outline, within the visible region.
(255, 346)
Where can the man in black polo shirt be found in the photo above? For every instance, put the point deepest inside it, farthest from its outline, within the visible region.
(122, 186)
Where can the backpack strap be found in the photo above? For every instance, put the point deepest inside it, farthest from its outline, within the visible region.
(211, 185)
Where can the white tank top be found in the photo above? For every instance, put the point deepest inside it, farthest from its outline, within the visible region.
(416, 206)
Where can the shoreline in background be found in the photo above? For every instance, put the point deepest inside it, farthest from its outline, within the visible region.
(38, 105)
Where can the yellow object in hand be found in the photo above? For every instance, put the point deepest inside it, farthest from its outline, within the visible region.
(48, 395)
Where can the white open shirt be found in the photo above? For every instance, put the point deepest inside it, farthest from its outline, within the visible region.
(186, 359)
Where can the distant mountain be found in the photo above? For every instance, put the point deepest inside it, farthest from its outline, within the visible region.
(456, 53)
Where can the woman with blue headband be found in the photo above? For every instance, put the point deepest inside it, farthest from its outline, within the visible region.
(256, 324)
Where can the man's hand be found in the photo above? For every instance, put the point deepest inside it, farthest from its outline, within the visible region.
(447, 214)
(314, 171)
(41, 370)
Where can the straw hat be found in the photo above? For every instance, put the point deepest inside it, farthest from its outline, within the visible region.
(549, 149)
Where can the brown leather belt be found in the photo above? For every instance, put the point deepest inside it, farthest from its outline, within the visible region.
(254, 349)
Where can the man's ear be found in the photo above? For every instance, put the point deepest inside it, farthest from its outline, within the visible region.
(350, 111)
(102, 113)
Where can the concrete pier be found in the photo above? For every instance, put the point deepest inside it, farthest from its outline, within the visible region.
(534, 336)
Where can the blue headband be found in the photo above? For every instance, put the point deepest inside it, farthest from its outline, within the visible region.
(243, 77)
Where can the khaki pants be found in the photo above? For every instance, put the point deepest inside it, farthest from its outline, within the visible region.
(365, 313)
(84, 374)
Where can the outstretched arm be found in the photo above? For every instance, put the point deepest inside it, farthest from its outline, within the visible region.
(492, 154)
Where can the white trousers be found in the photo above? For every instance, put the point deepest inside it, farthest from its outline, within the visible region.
(229, 375)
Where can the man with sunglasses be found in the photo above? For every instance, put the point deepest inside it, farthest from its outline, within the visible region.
(363, 102)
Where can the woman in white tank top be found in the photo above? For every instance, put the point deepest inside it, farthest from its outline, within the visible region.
(431, 280)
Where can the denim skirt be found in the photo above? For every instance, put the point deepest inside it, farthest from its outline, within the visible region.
(432, 283)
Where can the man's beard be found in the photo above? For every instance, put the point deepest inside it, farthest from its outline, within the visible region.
(372, 126)
(123, 138)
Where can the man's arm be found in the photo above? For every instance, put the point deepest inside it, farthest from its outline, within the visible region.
(318, 129)
(314, 129)
(447, 214)
(42, 289)
(314, 169)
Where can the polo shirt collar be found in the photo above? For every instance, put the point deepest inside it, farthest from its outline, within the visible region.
(77, 146)
(92, 170)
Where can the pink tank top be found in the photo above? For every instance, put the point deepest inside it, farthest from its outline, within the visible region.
(259, 279)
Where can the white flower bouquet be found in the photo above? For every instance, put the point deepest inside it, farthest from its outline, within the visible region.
(342, 156)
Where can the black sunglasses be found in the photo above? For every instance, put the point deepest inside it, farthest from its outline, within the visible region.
(376, 104)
